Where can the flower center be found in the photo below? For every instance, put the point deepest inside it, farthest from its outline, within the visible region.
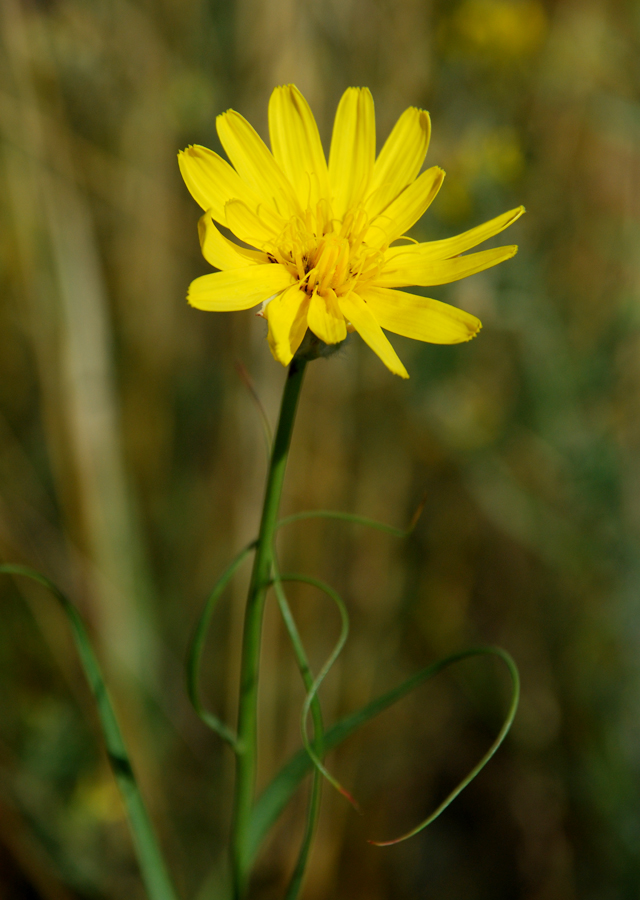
(325, 253)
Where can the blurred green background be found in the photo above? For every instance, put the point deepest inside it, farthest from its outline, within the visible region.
(132, 461)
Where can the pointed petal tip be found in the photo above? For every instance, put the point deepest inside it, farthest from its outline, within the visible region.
(280, 90)
(280, 352)
(281, 356)
(423, 118)
(419, 110)
(226, 116)
(354, 89)
(195, 152)
(474, 329)
(475, 332)
(192, 299)
(287, 93)
(397, 368)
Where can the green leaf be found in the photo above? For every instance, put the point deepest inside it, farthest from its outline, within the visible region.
(314, 686)
(196, 648)
(154, 872)
(313, 807)
(355, 519)
(278, 793)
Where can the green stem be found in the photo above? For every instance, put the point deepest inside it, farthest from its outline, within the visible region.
(261, 577)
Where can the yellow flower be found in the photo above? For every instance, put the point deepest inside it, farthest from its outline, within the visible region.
(326, 256)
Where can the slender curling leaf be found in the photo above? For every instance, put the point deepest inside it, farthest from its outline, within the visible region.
(313, 809)
(513, 706)
(278, 793)
(246, 379)
(154, 872)
(297, 876)
(196, 648)
(356, 520)
(314, 687)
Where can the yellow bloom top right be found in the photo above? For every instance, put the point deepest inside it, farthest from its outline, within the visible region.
(320, 241)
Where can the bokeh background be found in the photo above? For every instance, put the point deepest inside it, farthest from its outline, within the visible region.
(132, 459)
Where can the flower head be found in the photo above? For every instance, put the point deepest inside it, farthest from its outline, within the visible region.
(319, 240)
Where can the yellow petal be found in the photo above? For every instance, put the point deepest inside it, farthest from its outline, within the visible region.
(255, 164)
(287, 317)
(406, 209)
(296, 146)
(358, 313)
(353, 149)
(420, 318)
(247, 225)
(453, 246)
(325, 319)
(414, 267)
(400, 159)
(219, 251)
(238, 288)
(212, 183)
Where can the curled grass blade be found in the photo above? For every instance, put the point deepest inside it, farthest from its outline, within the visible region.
(312, 690)
(246, 379)
(313, 809)
(295, 882)
(277, 794)
(152, 867)
(506, 725)
(355, 519)
(196, 648)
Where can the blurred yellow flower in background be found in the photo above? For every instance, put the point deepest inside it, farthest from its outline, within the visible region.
(325, 256)
(500, 29)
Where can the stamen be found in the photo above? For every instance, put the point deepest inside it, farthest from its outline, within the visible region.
(325, 254)
(342, 264)
(299, 264)
(328, 261)
(312, 280)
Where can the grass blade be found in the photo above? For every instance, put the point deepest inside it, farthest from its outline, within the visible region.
(196, 648)
(277, 794)
(506, 725)
(154, 872)
(312, 689)
(313, 809)
(355, 519)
